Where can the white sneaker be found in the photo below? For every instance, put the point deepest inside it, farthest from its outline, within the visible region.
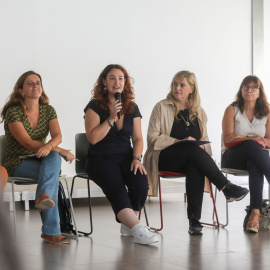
(125, 230)
(142, 235)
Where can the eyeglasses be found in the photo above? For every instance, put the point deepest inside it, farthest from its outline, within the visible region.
(253, 88)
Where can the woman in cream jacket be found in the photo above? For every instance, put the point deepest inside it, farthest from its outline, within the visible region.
(176, 126)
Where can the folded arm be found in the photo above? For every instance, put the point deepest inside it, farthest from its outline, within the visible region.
(229, 135)
(20, 134)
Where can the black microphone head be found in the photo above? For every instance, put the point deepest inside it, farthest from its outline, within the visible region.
(117, 95)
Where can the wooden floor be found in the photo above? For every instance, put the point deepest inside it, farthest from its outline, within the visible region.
(229, 248)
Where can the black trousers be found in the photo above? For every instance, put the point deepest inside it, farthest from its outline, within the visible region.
(196, 164)
(122, 188)
(252, 157)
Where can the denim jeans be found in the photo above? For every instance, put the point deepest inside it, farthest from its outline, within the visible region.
(46, 170)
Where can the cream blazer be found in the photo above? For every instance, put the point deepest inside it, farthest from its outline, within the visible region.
(158, 138)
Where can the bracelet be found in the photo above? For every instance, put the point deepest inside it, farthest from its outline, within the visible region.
(138, 157)
(50, 144)
(110, 122)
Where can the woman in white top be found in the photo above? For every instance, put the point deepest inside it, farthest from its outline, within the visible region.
(246, 135)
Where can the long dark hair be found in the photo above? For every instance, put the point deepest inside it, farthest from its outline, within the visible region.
(127, 96)
(261, 106)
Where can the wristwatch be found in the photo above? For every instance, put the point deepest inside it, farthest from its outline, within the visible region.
(138, 157)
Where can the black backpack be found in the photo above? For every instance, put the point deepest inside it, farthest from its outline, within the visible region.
(64, 211)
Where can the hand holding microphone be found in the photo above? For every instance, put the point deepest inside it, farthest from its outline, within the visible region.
(117, 96)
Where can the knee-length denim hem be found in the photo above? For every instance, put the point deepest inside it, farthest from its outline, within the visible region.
(46, 170)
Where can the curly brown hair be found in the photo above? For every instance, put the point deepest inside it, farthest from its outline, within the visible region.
(261, 106)
(127, 96)
(16, 98)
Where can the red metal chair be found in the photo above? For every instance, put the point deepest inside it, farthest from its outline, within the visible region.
(176, 175)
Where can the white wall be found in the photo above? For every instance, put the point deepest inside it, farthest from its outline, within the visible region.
(69, 42)
(266, 75)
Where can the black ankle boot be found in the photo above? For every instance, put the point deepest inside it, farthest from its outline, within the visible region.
(195, 227)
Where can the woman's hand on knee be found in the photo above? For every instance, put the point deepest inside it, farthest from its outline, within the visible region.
(260, 140)
(137, 165)
(44, 151)
(231, 137)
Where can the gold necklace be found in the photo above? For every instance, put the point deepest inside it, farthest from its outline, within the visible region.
(186, 121)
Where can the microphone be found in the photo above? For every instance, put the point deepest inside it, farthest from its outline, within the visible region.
(117, 96)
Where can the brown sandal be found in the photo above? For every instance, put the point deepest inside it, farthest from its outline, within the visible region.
(253, 226)
(56, 239)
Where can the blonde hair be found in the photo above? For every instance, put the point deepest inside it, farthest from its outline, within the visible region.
(194, 97)
(16, 98)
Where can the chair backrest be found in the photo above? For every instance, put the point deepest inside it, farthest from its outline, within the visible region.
(2, 148)
(82, 145)
(235, 172)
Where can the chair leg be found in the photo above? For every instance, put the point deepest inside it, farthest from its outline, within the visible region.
(71, 208)
(160, 206)
(89, 204)
(227, 211)
(14, 210)
(215, 196)
(145, 215)
(90, 210)
(72, 185)
(215, 223)
(26, 205)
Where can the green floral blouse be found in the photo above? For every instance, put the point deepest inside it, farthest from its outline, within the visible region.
(13, 148)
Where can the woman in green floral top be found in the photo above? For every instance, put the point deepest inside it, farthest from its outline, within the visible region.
(28, 119)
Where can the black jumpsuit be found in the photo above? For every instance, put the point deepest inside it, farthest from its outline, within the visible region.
(109, 162)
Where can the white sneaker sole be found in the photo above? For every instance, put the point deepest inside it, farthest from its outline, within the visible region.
(45, 204)
(147, 242)
(236, 199)
(125, 232)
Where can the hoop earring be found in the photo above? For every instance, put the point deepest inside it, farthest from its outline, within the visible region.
(105, 89)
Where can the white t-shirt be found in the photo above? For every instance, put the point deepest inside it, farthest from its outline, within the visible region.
(244, 127)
